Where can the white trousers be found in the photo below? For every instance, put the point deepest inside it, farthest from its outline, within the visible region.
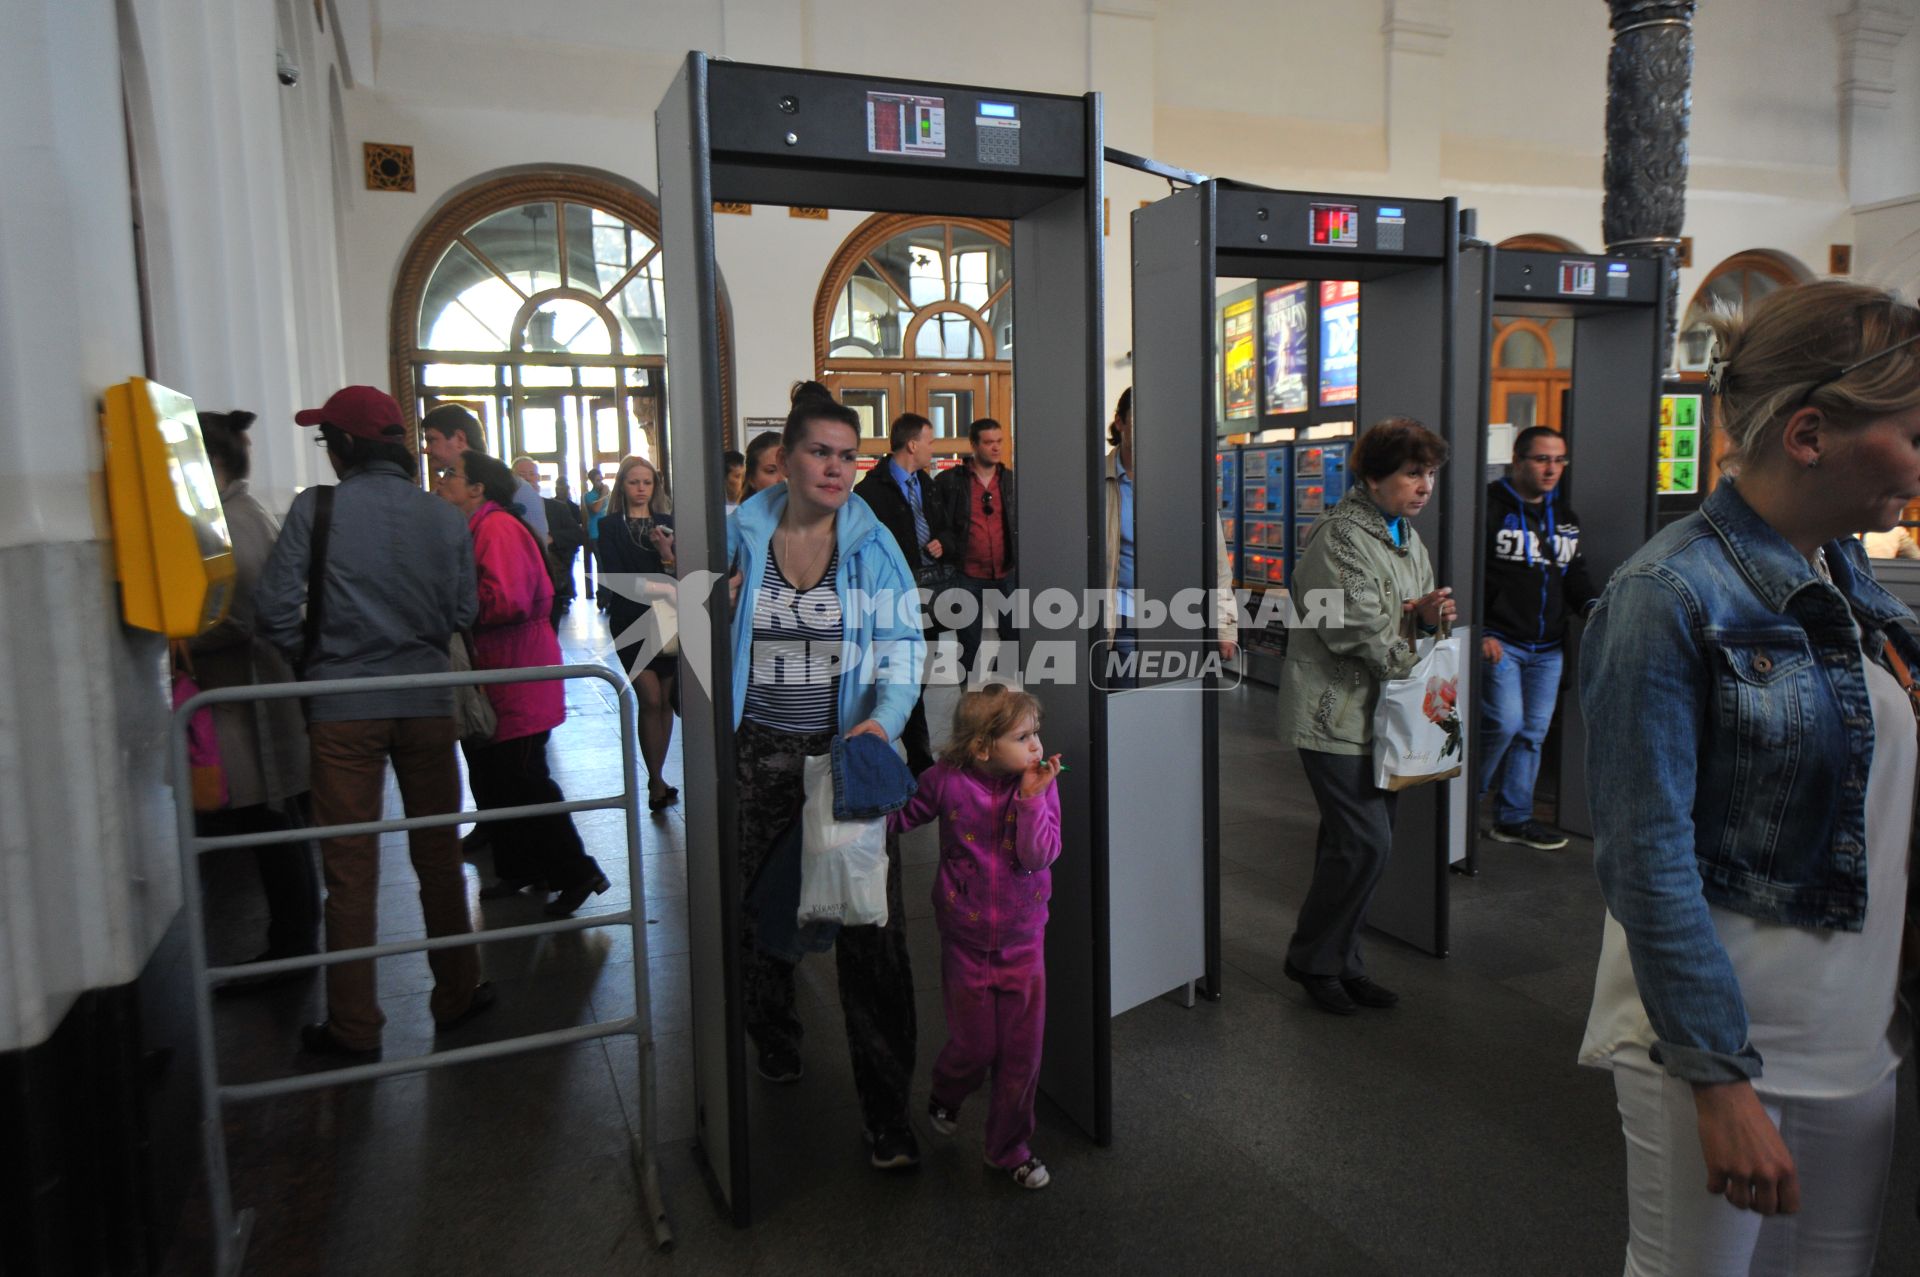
(1842, 1149)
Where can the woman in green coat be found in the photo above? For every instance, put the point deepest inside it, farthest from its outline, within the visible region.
(1366, 548)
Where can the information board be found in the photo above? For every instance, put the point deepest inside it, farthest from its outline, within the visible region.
(1681, 439)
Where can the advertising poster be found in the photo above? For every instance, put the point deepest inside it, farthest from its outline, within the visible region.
(1236, 356)
(1339, 342)
(1285, 333)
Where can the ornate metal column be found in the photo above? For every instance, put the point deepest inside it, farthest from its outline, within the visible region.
(1649, 107)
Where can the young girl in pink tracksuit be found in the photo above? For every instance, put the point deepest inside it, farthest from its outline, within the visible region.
(993, 791)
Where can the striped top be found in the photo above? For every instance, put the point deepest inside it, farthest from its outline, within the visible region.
(793, 684)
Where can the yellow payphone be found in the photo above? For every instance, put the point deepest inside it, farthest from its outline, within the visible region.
(171, 548)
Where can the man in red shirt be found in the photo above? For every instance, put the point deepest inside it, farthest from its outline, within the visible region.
(978, 501)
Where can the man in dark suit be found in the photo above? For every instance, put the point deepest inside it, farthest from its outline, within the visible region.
(901, 495)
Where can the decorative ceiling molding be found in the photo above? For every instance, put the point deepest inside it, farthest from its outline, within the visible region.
(1418, 26)
(1870, 35)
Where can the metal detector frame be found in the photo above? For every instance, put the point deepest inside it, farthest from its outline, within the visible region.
(1614, 417)
(1422, 311)
(737, 132)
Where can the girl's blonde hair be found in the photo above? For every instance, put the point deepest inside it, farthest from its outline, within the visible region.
(660, 503)
(1788, 352)
(984, 716)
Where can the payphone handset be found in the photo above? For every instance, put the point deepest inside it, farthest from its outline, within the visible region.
(171, 548)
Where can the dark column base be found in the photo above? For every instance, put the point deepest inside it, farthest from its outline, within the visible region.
(99, 1127)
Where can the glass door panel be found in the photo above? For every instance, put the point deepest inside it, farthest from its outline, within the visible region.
(876, 397)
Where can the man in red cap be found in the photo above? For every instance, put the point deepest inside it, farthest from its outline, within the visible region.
(394, 579)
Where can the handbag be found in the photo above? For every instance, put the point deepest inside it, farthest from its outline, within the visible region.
(209, 776)
(1417, 735)
(473, 714)
(662, 622)
(843, 863)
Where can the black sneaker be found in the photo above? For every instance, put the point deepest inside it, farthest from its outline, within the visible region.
(894, 1149)
(1529, 834)
(780, 1064)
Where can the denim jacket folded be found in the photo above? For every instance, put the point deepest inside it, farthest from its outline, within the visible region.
(1729, 737)
(869, 778)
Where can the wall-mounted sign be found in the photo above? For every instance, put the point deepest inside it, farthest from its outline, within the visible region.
(1680, 443)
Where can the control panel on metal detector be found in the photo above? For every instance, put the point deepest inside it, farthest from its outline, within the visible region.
(170, 542)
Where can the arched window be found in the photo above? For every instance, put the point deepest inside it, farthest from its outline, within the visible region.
(1531, 371)
(1539, 242)
(539, 302)
(1734, 284)
(915, 314)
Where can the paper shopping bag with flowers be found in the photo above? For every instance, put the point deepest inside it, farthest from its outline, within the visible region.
(1416, 726)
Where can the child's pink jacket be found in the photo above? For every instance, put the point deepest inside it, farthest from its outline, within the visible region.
(995, 851)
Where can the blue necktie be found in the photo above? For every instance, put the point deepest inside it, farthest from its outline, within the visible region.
(922, 534)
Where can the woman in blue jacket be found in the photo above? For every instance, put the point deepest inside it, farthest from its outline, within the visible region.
(826, 642)
(1751, 758)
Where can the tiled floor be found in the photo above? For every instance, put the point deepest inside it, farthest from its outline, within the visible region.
(1452, 1136)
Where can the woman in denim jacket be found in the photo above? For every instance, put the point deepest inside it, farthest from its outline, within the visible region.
(1751, 758)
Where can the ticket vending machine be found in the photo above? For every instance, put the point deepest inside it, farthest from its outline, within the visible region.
(1424, 312)
(1613, 430)
(762, 134)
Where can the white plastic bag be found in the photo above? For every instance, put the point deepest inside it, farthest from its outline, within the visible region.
(843, 863)
(1417, 733)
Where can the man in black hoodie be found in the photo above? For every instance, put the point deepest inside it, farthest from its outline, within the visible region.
(1536, 579)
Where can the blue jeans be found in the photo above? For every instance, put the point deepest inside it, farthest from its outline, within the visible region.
(1517, 699)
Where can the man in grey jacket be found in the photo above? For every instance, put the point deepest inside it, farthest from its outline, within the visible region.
(397, 580)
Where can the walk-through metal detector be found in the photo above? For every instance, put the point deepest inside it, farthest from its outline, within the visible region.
(1612, 428)
(1422, 326)
(775, 135)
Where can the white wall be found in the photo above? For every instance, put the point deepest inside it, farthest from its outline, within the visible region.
(1500, 103)
(88, 868)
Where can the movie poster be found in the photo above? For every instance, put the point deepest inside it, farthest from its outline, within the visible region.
(1339, 342)
(1237, 361)
(1285, 336)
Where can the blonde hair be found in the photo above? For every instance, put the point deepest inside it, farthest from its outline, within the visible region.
(984, 716)
(1787, 354)
(659, 503)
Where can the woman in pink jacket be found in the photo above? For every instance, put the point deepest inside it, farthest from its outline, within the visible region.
(512, 632)
(993, 791)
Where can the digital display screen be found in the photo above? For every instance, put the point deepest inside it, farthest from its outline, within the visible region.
(1390, 212)
(1577, 279)
(905, 124)
(1335, 224)
(1000, 110)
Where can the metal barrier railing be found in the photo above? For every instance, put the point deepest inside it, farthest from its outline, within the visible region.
(232, 1231)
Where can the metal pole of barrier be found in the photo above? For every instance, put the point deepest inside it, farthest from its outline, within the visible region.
(232, 1232)
(646, 1167)
(229, 1234)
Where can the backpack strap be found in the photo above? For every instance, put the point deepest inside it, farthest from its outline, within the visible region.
(316, 573)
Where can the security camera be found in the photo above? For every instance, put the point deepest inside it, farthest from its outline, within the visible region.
(287, 69)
